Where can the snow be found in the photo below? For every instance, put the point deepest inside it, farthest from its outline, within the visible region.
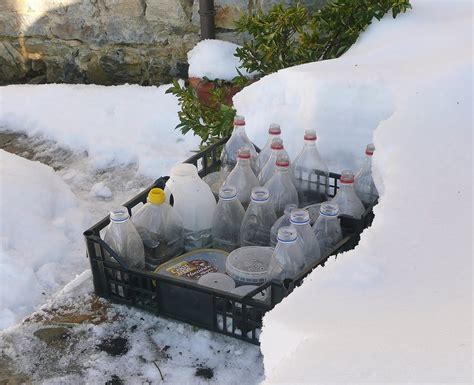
(115, 126)
(101, 190)
(178, 349)
(41, 224)
(214, 59)
(397, 308)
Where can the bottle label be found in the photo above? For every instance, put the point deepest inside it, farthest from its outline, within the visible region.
(194, 269)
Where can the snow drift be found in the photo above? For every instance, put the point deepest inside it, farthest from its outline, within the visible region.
(398, 307)
(114, 125)
(41, 244)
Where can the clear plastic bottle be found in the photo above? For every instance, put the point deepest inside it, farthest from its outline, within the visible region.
(160, 228)
(346, 197)
(363, 182)
(227, 220)
(281, 187)
(284, 220)
(327, 227)
(288, 258)
(309, 243)
(237, 140)
(269, 168)
(258, 219)
(124, 239)
(274, 131)
(242, 177)
(310, 172)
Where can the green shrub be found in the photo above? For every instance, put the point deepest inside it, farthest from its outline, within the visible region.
(286, 37)
(210, 123)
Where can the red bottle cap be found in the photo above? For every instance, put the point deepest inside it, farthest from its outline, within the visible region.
(310, 135)
(243, 153)
(282, 160)
(239, 120)
(274, 129)
(369, 150)
(347, 177)
(277, 144)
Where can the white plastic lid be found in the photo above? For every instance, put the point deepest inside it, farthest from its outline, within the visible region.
(249, 264)
(217, 281)
(243, 290)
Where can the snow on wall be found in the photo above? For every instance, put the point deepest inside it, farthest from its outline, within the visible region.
(41, 245)
(398, 308)
(114, 125)
(214, 59)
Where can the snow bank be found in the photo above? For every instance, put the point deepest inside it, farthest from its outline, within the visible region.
(214, 59)
(41, 244)
(114, 125)
(398, 308)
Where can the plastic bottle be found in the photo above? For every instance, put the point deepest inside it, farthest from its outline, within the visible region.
(237, 140)
(309, 243)
(269, 168)
(346, 197)
(258, 219)
(227, 220)
(242, 177)
(193, 200)
(284, 220)
(274, 131)
(288, 258)
(310, 172)
(124, 239)
(160, 228)
(281, 187)
(327, 227)
(363, 182)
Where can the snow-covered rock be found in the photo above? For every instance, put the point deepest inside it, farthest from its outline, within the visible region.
(398, 308)
(41, 245)
(214, 59)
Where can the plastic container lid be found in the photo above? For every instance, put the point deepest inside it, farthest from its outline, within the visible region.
(243, 290)
(249, 264)
(217, 281)
(194, 265)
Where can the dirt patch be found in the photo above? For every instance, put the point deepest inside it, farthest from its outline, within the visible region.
(117, 346)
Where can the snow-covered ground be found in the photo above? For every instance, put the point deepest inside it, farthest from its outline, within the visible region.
(397, 308)
(152, 346)
(114, 126)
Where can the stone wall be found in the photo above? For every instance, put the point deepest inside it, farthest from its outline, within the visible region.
(105, 41)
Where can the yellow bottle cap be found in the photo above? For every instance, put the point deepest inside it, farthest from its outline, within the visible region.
(156, 196)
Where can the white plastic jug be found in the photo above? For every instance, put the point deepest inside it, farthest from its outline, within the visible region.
(195, 203)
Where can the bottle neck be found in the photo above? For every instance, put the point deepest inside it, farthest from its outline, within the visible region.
(239, 129)
(282, 169)
(243, 163)
(346, 187)
(310, 143)
(327, 217)
(290, 242)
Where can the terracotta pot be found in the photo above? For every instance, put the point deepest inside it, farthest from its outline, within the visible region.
(204, 90)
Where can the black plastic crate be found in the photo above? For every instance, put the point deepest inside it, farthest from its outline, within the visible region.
(222, 312)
